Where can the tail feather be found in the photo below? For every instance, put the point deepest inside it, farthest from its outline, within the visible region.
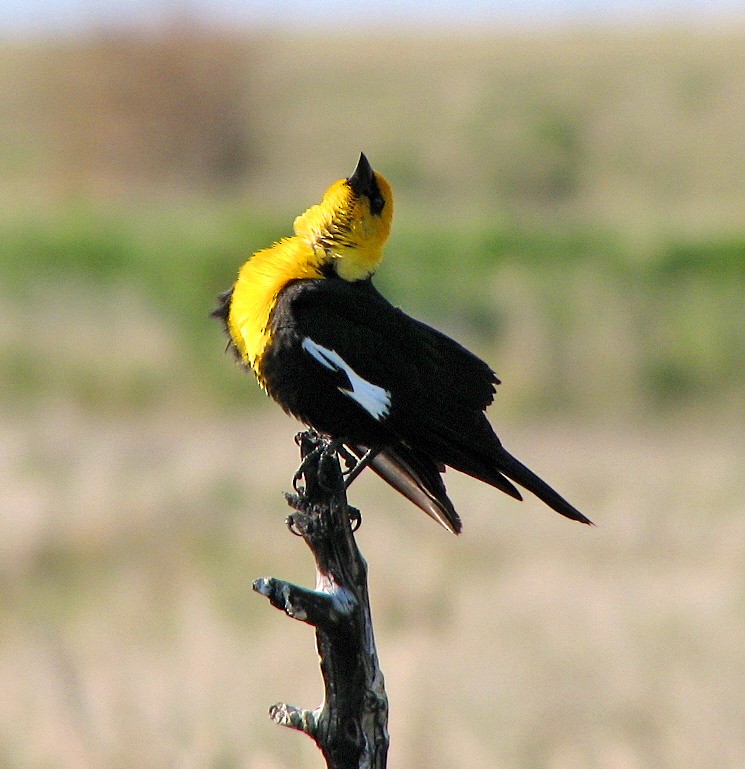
(418, 479)
(525, 477)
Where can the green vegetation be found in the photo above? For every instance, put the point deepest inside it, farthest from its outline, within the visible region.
(112, 307)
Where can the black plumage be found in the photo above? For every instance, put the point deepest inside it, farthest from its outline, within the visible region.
(438, 392)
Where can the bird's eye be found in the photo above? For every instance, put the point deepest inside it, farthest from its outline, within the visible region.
(377, 202)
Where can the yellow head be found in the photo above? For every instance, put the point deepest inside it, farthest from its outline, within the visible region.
(348, 228)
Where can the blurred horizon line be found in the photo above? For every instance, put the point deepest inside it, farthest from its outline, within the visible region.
(21, 19)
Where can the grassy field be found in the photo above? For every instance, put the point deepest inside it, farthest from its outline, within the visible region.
(130, 635)
(570, 204)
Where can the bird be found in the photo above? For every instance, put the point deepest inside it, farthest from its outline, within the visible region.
(404, 398)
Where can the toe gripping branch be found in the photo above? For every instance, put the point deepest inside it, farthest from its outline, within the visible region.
(351, 725)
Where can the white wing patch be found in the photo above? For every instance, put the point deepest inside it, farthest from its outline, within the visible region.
(374, 399)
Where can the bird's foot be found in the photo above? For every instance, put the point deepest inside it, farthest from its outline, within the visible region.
(298, 481)
(324, 449)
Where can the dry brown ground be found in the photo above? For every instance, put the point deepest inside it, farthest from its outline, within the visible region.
(129, 635)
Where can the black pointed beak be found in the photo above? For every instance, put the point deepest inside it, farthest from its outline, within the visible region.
(362, 181)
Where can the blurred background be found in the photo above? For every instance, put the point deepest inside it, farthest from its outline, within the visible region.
(570, 203)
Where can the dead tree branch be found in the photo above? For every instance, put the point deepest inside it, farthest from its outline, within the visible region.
(351, 725)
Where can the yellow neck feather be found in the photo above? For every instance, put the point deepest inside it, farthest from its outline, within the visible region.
(255, 292)
(341, 232)
(343, 227)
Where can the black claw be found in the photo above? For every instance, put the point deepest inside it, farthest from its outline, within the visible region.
(355, 518)
(297, 479)
(297, 483)
(291, 524)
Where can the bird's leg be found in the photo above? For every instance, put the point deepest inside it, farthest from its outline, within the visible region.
(329, 449)
(354, 467)
(349, 459)
(359, 466)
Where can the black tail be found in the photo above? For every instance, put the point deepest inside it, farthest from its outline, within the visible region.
(516, 471)
(418, 479)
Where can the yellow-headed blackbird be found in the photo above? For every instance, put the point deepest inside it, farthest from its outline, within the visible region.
(305, 316)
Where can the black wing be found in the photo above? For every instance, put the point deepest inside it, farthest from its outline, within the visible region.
(438, 389)
(387, 346)
(436, 392)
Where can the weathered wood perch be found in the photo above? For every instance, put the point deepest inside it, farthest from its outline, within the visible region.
(351, 724)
